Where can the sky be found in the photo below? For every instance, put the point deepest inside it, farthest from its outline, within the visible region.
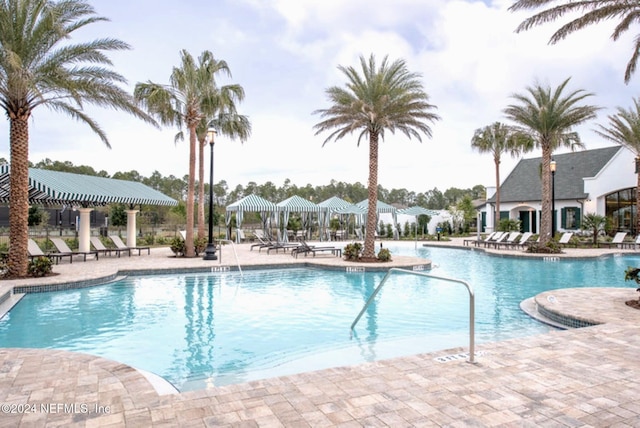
(286, 53)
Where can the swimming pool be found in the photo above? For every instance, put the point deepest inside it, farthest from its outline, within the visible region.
(199, 330)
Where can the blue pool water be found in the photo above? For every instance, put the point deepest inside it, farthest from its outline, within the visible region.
(198, 330)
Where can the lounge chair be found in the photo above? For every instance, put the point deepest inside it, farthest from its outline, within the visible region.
(617, 240)
(507, 239)
(475, 241)
(35, 251)
(100, 248)
(122, 246)
(495, 242)
(282, 245)
(633, 244)
(263, 241)
(565, 239)
(520, 241)
(490, 239)
(63, 248)
(305, 249)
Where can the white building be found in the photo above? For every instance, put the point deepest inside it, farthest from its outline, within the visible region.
(601, 181)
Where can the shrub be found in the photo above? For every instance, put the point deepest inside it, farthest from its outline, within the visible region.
(200, 244)
(40, 266)
(177, 246)
(352, 251)
(552, 247)
(384, 255)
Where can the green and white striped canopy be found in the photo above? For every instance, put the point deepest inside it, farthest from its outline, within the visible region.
(297, 204)
(381, 207)
(333, 203)
(54, 187)
(417, 210)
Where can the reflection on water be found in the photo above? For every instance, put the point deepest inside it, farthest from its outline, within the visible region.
(213, 329)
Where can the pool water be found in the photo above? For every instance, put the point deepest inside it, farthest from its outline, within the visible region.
(199, 330)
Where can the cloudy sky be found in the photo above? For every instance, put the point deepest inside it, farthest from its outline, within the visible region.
(285, 53)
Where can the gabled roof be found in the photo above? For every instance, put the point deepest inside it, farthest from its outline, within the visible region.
(524, 183)
(54, 187)
(252, 203)
(297, 204)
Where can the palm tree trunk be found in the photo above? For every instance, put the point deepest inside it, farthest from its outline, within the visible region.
(638, 195)
(201, 145)
(496, 218)
(545, 218)
(372, 212)
(189, 250)
(19, 197)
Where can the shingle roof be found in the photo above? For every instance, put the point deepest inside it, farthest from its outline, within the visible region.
(55, 187)
(524, 182)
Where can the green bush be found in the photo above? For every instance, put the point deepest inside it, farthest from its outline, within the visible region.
(384, 255)
(352, 251)
(40, 266)
(177, 246)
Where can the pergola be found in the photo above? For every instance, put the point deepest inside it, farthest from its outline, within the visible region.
(85, 191)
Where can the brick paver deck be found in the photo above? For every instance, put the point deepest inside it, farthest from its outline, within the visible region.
(573, 378)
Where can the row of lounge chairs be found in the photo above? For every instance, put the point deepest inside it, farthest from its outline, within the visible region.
(63, 251)
(516, 239)
(295, 248)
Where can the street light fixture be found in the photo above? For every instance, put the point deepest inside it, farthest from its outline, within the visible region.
(553, 167)
(210, 251)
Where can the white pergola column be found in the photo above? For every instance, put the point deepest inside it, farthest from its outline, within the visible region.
(131, 227)
(84, 230)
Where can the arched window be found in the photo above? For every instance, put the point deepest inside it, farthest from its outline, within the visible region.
(620, 207)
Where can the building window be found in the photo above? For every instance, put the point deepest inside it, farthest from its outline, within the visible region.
(570, 218)
(620, 208)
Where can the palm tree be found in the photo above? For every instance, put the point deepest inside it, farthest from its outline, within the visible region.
(384, 98)
(624, 129)
(497, 139)
(549, 115)
(596, 223)
(591, 12)
(185, 102)
(40, 66)
(227, 122)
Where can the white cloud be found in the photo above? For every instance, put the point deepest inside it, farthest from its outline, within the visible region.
(285, 54)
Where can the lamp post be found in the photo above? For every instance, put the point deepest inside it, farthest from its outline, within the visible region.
(210, 251)
(553, 166)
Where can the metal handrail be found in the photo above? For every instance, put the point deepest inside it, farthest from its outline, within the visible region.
(471, 303)
(233, 245)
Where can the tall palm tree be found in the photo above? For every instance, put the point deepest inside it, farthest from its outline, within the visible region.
(227, 122)
(549, 115)
(624, 129)
(39, 65)
(499, 139)
(184, 102)
(591, 12)
(379, 99)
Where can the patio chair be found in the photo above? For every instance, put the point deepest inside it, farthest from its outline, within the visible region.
(507, 239)
(475, 241)
(634, 244)
(305, 248)
(490, 239)
(617, 240)
(263, 241)
(122, 246)
(34, 251)
(521, 242)
(495, 242)
(100, 248)
(63, 248)
(565, 239)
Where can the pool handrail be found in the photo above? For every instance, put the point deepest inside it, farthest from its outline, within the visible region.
(471, 302)
(233, 246)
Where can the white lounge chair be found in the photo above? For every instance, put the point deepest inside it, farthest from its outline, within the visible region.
(122, 246)
(63, 248)
(102, 249)
(34, 251)
(617, 240)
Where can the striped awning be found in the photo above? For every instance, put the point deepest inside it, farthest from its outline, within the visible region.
(380, 208)
(333, 203)
(297, 204)
(54, 187)
(252, 203)
(417, 210)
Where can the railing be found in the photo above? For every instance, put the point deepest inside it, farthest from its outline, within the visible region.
(411, 272)
(233, 245)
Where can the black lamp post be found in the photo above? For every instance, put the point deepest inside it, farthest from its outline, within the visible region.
(552, 166)
(210, 251)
